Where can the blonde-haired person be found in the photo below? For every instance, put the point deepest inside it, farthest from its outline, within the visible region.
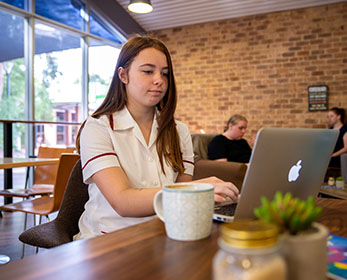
(131, 145)
(230, 146)
(337, 120)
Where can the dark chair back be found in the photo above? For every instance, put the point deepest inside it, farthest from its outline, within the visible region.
(62, 229)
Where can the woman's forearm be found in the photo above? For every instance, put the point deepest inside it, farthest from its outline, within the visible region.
(340, 152)
(135, 202)
(124, 199)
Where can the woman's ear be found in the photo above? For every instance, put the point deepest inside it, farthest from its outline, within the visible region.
(123, 75)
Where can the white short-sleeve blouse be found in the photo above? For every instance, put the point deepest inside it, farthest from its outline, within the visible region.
(117, 141)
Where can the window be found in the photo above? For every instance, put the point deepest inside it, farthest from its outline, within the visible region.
(58, 72)
(40, 134)
(101, 29)
(12, 78)
(60, 128)
(70, 13)
(16, 3)
(102, 63)
(58, 79)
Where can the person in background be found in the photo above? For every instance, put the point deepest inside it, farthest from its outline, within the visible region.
(131, 145)
(337, 120)
(230, 146)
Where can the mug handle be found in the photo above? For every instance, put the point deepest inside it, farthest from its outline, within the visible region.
(158, 204)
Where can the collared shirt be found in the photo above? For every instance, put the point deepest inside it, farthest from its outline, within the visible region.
(117, 141)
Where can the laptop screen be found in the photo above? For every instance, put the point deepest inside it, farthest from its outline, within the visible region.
(288, 160)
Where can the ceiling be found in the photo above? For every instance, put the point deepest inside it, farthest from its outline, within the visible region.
(175, 13)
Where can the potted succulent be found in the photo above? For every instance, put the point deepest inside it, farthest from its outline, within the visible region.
(340, 183)
(303, 240)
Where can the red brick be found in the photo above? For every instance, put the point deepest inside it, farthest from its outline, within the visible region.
(259, 66)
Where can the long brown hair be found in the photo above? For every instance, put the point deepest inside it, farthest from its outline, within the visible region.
(167, 142)
(340, 112)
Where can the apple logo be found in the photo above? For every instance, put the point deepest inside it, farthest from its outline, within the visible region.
(293, 174)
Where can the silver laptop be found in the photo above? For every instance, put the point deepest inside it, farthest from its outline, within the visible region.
(283, 159)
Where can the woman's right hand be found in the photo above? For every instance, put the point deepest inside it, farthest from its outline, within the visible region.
(222, 189)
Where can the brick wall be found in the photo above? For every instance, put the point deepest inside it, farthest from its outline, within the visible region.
(259, 66)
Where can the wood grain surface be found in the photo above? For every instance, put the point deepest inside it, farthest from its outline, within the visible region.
(6, 163)
(142, 251)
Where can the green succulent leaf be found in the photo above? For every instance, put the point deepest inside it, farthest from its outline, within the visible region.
(289, 213)
(294, 225)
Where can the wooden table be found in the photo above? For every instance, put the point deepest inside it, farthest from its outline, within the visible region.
(142, 251)
(7, 136)
(6, 163)
(334, 193)
(9, 163)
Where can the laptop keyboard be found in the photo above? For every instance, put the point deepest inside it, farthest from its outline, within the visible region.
(227, 210)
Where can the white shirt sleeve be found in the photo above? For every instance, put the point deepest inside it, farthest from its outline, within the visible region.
(97, 150)
(186, 147)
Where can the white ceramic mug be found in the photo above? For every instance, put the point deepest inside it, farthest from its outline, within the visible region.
(186, 209)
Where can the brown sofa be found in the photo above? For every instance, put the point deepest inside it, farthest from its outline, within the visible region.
(228, 171)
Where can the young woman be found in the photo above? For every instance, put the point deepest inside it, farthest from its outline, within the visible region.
(337, 120)
(230, 146)
(131, 146)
